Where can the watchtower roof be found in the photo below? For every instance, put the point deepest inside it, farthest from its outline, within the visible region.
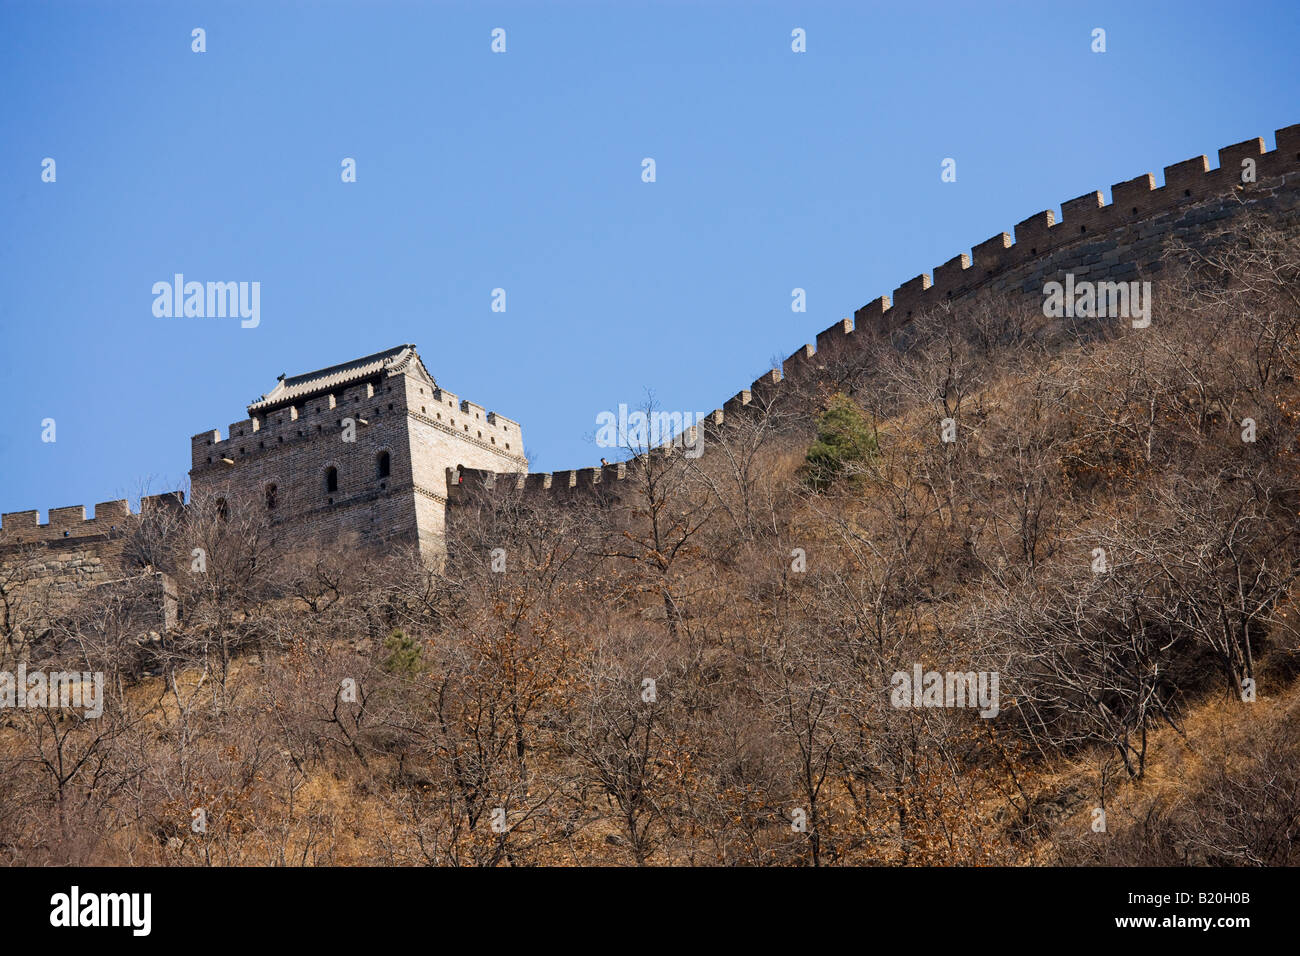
(296, 387)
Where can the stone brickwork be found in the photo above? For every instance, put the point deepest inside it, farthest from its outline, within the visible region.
(48, 568)
(1119, 241)
(355, 454)
(439, 446)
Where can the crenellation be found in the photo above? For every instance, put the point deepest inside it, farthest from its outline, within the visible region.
(1231, 158)
(1083, 215)
(69, 523)
(507, 425)
(1133, 198)
(733, 405)
(835, 336)
(69, 517)
(1034, 233)
(992, 255)
(108, 514)
(871, 317)
(765, 382)
(171, 500)
(418, 447)
(800, 359)
(1188, 178)
(15, 521)
(1287, 154)
(950, 277)
(908, 298)
(355, 395)
(1090, 231)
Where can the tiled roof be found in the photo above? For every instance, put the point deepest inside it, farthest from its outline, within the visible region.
(295, 387)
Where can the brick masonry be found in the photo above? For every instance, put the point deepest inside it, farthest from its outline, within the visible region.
(295, 434)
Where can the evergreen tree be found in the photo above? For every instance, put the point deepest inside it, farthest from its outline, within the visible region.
(843, 436)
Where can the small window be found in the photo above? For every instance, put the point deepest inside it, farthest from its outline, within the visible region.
(382, 465)
(223, 511)
(270, 497)
(331, 479)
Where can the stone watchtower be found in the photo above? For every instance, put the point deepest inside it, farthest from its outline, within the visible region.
(357, 452)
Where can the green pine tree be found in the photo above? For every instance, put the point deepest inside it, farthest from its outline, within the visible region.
(403, 653)
(843, 436)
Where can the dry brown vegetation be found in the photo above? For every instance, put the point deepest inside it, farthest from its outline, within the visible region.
(523, 697)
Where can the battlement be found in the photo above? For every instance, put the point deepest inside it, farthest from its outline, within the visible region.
(474, 422)
(463, 483)
(306, 406)
(111, 519)
(363, 403)
(286, 456)
(1188, 186)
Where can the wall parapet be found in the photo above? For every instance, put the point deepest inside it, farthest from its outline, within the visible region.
(111, 519)
(1188, 184)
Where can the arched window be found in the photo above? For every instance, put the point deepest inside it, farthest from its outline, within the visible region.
(331, 479)
(382, 465)
(223, 510)
(270, 497)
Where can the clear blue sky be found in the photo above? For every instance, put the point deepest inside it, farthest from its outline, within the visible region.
(476, 170)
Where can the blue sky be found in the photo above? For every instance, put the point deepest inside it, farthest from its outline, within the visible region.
(522, 171)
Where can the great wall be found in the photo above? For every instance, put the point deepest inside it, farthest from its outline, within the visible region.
(1113, 241)
(417, 448)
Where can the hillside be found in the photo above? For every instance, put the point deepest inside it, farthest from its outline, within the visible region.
(700, 665)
